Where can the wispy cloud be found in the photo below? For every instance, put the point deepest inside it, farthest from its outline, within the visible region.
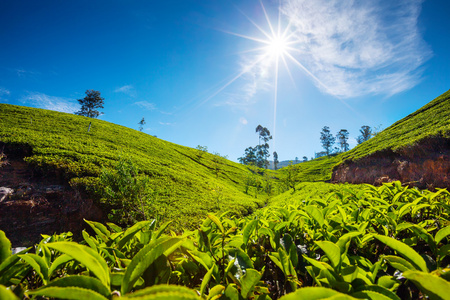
(24, 73)
(126, 89)
(50, 102)
(166, 124)
(145, 105)
(356, 48)
(4, 93)
(243, 121)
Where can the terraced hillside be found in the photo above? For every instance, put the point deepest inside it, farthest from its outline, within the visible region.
(415, 149)
(53, 157)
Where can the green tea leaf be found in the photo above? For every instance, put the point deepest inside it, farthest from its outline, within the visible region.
(217, 222)
(315, 213)
(161, 230)
(316, 293)
(404, 250)
(100, 230)
(6, 294)
(38, 264)
(59, 261)
(441, 234)
(332, 251)
(248, 230)
(74, 293)
(216, 291)
(79, 281)
(145, 257)
(163, 292)
(206, 280)
(130, 232)
(5, 247)
(87, 257)
(399, 263)
(434, 286)
(249, 281)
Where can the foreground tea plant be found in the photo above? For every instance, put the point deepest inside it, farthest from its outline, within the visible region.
(389, 242)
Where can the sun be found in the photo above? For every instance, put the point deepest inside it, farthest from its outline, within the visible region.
(277, 46)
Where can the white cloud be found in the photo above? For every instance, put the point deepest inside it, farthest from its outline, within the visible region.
(4, 92)
(25, 73)
(355, 48)
(166, 124)
(50, 102)
(126, 89)
(145, 105)
(243, 121)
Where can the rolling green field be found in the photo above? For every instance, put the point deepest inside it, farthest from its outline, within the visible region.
(432, 120)
(234, 232)
(188, 183)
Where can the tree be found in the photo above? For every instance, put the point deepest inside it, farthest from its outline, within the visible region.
(305, 158)
(262, 151)
(327, 139)
(342, 137)
(249, 157)
(259, 154)
(296, 160)
(128, 193)
(275, 160)
(290, 177)
(366, 133)
(141, 124)
(264, 134)
(90, 104)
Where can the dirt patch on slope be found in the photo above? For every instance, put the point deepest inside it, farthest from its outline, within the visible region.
(33, 204)
(424, 165)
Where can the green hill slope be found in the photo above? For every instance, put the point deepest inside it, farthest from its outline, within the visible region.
(189, 183)
(432, 120)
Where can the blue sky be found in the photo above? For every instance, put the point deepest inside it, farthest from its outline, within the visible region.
(205, 72)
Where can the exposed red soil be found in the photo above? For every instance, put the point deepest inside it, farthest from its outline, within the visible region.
(40, 204)
(424, 165)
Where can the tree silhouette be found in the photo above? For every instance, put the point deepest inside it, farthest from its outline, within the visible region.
(366, 133)
(141, 124)
(90, 104)
(327, 139)
(342, 137)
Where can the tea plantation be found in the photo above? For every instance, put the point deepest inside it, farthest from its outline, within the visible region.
(220, 230)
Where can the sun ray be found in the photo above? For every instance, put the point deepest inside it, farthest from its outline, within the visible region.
(245, 70)
(256, 25)
(267, 19)
(247, 37)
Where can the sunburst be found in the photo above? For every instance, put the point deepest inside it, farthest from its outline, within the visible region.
(275, 45)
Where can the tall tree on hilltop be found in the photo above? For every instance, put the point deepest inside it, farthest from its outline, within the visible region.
(264, 134)
(275, 160)
(305, 158)
(366, 133)
(342, 137)
(259, 154)
(90, 104)
(141, 124)
(327, 139)
(262, 152)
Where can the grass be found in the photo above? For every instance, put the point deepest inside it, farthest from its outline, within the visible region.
(432, 120)
(189, 182)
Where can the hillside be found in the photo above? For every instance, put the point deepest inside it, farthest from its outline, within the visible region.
(413, 149)
(61, 156)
